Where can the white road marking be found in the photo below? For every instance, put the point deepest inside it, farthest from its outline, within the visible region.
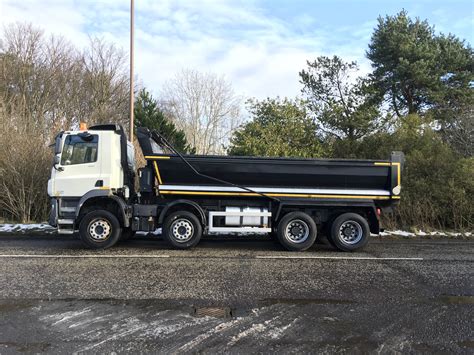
(63, 256)
(333, 257)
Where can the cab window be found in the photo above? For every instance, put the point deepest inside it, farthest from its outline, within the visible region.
(80, 150)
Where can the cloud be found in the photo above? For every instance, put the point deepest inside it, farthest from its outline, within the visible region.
(58, 17)
(259, 53)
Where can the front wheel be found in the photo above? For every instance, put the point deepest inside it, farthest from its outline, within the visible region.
(349, 232)
(99, 229)
(182, 230)
(297, 231)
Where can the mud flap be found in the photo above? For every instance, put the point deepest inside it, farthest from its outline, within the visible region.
(53, 215)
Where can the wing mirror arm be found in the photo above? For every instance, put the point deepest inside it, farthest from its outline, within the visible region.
(57, 158)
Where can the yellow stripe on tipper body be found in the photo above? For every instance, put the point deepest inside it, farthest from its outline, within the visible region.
(399, 173)
(157, 157)
(157, 171)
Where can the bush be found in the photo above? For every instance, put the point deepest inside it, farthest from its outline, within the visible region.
(25, 163)
(437, 182)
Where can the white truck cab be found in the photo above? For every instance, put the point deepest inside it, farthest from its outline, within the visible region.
(89, 161)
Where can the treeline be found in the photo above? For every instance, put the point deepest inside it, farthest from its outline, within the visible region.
(417, 99)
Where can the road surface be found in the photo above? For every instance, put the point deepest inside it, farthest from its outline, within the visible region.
(236, 295)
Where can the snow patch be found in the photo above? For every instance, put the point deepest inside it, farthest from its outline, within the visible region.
(420, 233)
(254, 329)
(157, 231)
(163, 327)
(131, 327)
(89, 321)
(25, 228)
(276, 333)
(199, 339)
(403, 233)
(59, 318)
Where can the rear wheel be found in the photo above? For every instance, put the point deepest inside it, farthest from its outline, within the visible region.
(297, 231)
(99, 229)
(182, 230)
(349, 232)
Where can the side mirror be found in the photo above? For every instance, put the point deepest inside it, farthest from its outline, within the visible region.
(57, 160)
(57, 145)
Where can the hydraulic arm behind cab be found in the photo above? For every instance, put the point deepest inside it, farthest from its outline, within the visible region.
(92, 190)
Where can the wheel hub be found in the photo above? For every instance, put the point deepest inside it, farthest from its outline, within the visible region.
(297, 231)
(100, 229)
(347, 232)
(351, 232)
(182, 230)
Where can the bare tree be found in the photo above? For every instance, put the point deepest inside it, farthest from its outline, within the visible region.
(205, 107)
(459, 131)
(105, 82)
(47, 85)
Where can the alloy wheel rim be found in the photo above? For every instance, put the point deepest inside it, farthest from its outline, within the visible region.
(351, 232)
(182, 230)
(100, 229)
(297, 231)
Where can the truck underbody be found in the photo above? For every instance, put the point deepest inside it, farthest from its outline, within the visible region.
(188, 196)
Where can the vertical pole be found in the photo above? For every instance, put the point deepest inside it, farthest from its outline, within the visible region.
(131, 68)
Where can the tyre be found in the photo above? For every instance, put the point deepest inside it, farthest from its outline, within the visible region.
(296, 231)
(99, 229)
(127, 233)
(182, 230)
(349, 232)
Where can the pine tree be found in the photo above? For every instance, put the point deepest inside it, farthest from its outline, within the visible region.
(148, 114)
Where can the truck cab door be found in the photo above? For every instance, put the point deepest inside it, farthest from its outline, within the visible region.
(79, 169)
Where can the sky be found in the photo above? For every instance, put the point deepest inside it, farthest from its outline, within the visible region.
(260, 46)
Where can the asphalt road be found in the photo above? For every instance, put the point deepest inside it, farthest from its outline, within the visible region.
(236, 295)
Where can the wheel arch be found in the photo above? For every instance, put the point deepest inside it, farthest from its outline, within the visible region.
(105, 199)
(182, 204)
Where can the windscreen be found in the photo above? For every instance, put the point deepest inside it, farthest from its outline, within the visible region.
(80, 150)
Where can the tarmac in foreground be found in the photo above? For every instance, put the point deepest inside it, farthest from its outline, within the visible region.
(235, 295)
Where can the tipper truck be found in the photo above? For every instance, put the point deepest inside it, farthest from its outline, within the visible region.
(94, 195)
